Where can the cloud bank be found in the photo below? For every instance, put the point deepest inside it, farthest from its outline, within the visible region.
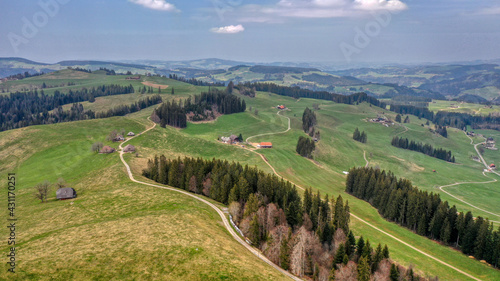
(159, 5)
(230, 29)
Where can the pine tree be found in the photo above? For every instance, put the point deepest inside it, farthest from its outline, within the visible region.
(284, 254)
(398, 118)
(331, 276)
(255, 230)
(385, 252)
(339, 256)
(394, 275)
(363, 270)
(172, 92)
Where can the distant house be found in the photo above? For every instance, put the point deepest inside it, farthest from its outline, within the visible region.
(233, 138)
(266, 145)
(65, 193)
(130, 134)
(133, 77)
(282, 107)
(129, 148)
(119, 138)
(493, 166)
(107, 149)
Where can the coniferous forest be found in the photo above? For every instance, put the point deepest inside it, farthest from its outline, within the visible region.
(23, 109)
(204, 105)
(426, 149)
(309, 237)
(425, 213)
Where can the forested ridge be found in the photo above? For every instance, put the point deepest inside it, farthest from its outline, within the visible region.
(309, 237)
(425, 213)
(296, 92)
(427, 149)
(23, 109)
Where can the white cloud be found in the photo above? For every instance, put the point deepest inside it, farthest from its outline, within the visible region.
(322, 8)
(230, 29)
(160, 5)
(374, 5)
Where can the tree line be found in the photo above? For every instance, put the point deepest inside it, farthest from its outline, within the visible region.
(309, 237)
(204, 105)
(195, 82)
(305, 147)
(427, 149)
(359, 136)
(425, 213)
(297, 92)
(453, 119)
(22, 109)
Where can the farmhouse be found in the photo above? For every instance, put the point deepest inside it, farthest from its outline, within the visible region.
(65, 193)
(119, 138)
(130, 134)
(133, 77)
(107, 149)
(493, 166)
(266, 145)
(282, 107)
(129, 148)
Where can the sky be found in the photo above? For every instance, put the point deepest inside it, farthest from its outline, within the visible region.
(343, 31)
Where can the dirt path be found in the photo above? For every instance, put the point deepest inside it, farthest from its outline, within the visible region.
(364, 156)
(267, 134)
(363, 221)
(459, 183)
(221, 213)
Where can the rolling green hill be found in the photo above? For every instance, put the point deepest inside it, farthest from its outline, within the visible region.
(181, 239)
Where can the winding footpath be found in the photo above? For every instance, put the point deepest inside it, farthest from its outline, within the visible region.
(219, 211)
(360, 219)
(267, 134)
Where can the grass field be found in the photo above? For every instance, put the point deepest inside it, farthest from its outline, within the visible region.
(463, 107)
(122, 220)
(115, 229)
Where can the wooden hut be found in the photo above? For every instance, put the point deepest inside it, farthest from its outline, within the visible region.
(107, 149)
(65, 193)
(129, 148)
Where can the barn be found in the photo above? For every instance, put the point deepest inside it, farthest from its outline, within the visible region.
(266, 145)
(65, 193)
(107, 149)
(129, 148)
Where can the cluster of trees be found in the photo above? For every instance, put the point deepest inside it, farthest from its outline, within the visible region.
(148, 90)
(305, 147)
(108, 71)
(81, 69)
(426, 149)
(203, 106)
(243, 90)
(195, 82)
(309, 121)
(399, 119)
(42, 189)
(171, 114)
(309, 237)
(297, 92)
(442, 131)
(398, 201)
(215, 100)
(359, 136)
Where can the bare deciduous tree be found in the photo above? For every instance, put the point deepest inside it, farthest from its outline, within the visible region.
(42, 190)
(96, 147)
(61, 183)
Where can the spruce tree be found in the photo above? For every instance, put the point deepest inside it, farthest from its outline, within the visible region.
(363, 270)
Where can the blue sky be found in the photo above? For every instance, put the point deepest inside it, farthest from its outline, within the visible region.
(397, 31)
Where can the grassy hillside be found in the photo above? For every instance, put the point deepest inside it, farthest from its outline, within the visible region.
(115, 229)
(337, 152)
(122, 220)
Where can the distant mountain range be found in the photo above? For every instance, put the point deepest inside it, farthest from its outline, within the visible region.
(471, 82)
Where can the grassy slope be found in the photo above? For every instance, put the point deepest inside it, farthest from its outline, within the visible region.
(115, 229)
(337, 152)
